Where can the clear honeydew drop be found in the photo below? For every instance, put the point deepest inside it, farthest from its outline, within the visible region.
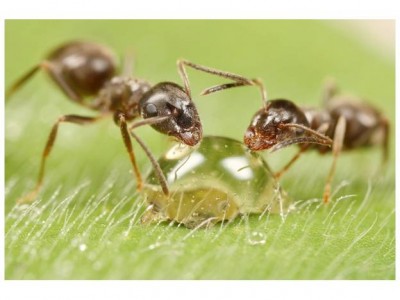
(213, 182)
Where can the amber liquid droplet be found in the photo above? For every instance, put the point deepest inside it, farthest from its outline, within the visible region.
(213, 182)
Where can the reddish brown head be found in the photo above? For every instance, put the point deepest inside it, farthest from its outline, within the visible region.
(280, 124)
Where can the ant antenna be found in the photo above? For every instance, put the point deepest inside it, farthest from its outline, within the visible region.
(238, 79)
(315, 138)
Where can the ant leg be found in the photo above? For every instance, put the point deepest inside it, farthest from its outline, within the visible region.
(239, 80)
(279, 174)
(59, 80)
(55, 75)
(128, 144)
(156, 166)
(21, 81)
(338, 138)
(75, 119)
(160, 175)
(322, 129)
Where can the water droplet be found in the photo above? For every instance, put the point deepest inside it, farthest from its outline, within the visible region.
(82, 247)
(219, 178)
(257, 238)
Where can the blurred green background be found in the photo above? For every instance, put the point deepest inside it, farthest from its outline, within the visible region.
(85, 222)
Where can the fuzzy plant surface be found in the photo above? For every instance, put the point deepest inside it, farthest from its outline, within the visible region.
(85, 222)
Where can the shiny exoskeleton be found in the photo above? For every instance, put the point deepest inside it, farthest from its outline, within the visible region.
(343, 122)
(350, 122)
(87, 74)
(365, 125)
(279, 124)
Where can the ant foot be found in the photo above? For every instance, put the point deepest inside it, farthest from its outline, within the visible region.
(327, 194)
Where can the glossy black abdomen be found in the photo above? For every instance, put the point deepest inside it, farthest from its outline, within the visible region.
(85, 66)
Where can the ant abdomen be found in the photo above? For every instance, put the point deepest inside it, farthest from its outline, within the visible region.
(364, 124)
(84, 66)
(170, 99)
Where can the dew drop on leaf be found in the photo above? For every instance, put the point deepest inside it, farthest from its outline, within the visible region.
(257, 238)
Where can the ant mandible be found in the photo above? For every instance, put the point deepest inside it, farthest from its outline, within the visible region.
(86, 73)
(343, 123)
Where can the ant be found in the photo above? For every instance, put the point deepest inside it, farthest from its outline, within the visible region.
(350, 122)
(86, 73)
(343, 123)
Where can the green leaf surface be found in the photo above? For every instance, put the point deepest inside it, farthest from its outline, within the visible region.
(85, 222)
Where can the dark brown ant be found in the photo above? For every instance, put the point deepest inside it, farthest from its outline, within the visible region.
(348, 121)
(343, 123)
(86, 73)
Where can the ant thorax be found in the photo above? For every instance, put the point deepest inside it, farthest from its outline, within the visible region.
(121, 95)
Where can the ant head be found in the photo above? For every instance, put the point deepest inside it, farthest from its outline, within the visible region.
(267, 128)
(169, 99)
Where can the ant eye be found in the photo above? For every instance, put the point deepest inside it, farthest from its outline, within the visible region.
(151, 110)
